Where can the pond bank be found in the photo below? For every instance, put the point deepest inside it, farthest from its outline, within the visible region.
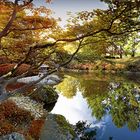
(125, 65)
(100, 71)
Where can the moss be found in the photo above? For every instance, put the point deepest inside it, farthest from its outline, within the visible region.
(45, 94)
(50, 92)
(64, 125)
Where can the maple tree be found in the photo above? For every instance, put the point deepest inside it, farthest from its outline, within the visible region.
(25, 37)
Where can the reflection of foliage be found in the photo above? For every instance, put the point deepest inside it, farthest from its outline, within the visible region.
(84, 131)
(68, 87)
(124, 105)
(122, 102)
(94, 92)
(93, 87)
(119, 99)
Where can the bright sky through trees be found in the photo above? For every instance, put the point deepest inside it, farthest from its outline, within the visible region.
(61, 7)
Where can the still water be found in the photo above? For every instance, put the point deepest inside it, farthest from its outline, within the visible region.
(110, 103)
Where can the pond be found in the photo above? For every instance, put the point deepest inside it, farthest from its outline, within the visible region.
(110, 103)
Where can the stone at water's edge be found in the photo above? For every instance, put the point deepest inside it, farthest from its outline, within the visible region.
(13, 136)
(45, 94)
(57, 128)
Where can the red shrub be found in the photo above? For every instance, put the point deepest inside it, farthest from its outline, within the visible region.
(14, 86)
(35, 128)
(2, 118)
(15, 114)
(5, 68)
(6, 128)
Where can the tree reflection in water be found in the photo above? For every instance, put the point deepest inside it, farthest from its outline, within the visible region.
(117, 97)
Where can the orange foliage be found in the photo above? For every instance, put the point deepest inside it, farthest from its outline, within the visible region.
(6, 128)
(87, 66)
(5, 68)
(11, 116)
(14, 86)
(13, 113)
(22, 69)
(2, 118)
(35, 128)
(101, 66)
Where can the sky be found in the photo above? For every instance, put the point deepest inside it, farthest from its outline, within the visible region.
(61, 7)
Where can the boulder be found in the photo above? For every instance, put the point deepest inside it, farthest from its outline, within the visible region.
(48, 80)
(57, 128)
(13, 136)
(45, 94)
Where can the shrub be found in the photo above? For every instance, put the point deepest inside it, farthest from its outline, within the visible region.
(15, 114)
(35, 128)
(6, 128)
(14, 86)
(5, 68)
(13, 118)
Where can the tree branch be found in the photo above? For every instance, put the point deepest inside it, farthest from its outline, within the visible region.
(5, 31)
(9, 24)
(24, 88)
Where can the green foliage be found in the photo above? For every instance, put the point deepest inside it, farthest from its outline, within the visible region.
(67, 90)
(64, 125)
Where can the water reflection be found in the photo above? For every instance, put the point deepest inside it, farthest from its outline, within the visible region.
(110, 103)
(75, 109)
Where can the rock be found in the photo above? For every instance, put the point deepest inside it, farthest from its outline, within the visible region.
(48, 80)
(13, 136)
(57, 128)
(45, 94)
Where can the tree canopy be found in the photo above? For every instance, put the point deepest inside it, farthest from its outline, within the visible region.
(28, 34)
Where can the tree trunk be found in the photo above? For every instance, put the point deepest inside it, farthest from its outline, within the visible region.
(121, 52)
(121, 55)
(133, 53)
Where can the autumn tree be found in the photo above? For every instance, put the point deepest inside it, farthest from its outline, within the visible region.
(32, 32)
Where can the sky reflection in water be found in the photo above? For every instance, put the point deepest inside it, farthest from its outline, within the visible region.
(77, 109)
